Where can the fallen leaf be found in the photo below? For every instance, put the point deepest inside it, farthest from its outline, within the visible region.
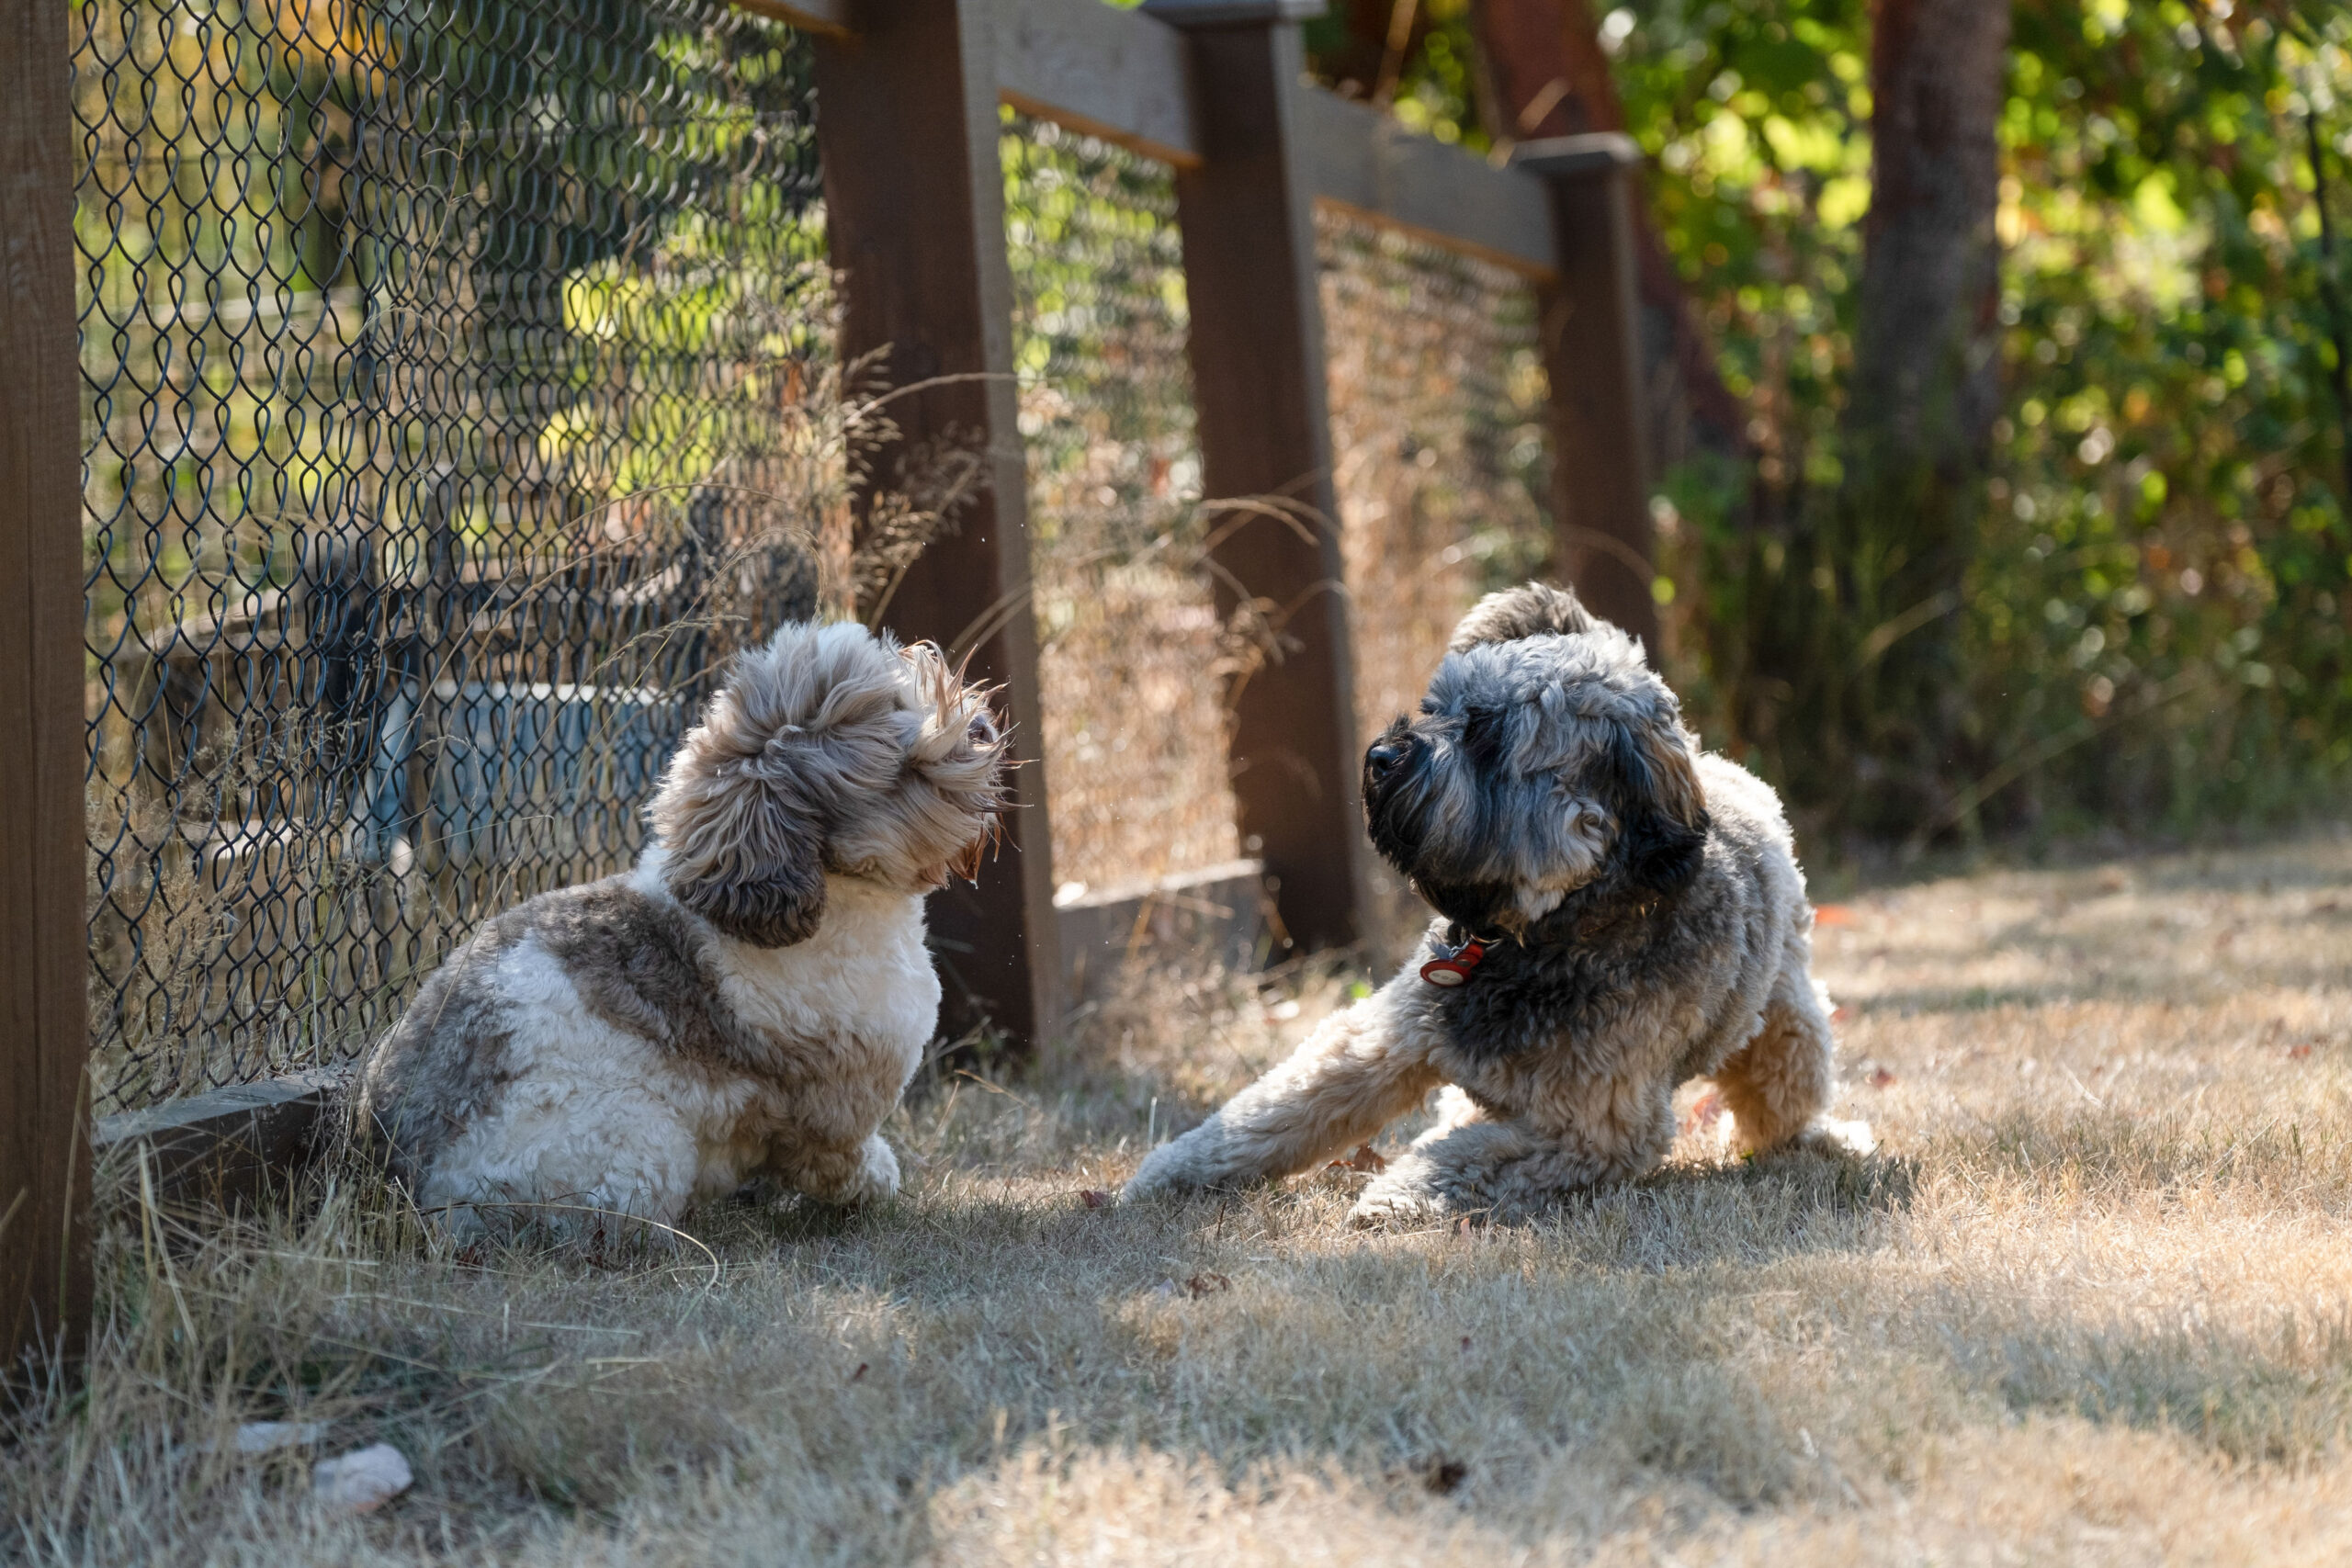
(1206, 1284)
(1832, 915)
(268, 1437)
(1366, 1158)
(1094, 1198)
(362, 1481)
(1881, 1078)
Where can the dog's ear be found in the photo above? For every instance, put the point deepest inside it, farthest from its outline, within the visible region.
(1662, 820)
(1530, 609)
(742, 849)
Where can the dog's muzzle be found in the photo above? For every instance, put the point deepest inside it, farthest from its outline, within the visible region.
(1381, 759)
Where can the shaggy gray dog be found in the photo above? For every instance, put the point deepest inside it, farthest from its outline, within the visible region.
(749, 1000)
(1618, 913)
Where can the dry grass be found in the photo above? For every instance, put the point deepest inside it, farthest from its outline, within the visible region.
(2094, 1305)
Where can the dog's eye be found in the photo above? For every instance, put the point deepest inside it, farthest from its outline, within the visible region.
(1484, 732)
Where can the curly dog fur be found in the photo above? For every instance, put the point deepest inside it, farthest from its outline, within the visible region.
(749, 1000)
(1644, 921)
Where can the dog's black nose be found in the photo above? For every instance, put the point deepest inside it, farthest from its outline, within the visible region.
(1386, 753)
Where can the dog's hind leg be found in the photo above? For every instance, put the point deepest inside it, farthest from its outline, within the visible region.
(831, 1174)
(1354, 1075)
(609, 1162)
(1778, 1085)
(826, 1145)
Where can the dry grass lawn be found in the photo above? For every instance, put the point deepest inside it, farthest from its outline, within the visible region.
(2093, 1304)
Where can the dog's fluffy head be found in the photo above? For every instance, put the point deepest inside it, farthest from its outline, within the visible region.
(830, 749)
(1547, 757)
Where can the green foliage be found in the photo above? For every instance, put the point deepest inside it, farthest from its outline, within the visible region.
(2173, 528)
(2155, 621)
(2156, 618)
(1436, 86)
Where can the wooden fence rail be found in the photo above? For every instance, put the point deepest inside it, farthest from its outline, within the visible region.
(1214, 88)
(907, 96)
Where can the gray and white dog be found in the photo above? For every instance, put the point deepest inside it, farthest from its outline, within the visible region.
(749, 1000)
(1617, 913)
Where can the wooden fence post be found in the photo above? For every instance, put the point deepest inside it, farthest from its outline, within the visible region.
(1247, 211)
(914, 200)
(1592, 351)
(44, 956)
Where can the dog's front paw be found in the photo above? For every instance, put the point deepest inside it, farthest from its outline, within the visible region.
(1180, 1164)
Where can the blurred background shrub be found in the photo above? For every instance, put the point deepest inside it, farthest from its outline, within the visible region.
(2144, 620)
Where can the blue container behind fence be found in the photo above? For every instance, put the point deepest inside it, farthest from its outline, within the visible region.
(516, 765)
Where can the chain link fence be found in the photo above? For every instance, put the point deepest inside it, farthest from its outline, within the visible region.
(1439, 457)
(454, 373)
(458, 394)
(1438, 450)
(1132, 657)
(1437, 393)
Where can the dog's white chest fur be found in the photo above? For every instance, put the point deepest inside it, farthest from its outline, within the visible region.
(865, 974)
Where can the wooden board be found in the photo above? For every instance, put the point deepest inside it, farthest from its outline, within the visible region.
(228, 1148)
(1116, 75)
(44, 959)
(914, 196)
(1265, 435)
(1212, 915)
(1363, 161)
(826, 17)
(1604, 540)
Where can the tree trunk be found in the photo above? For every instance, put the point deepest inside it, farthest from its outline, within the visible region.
(1544, 73)
(1366, 59)
(1921, 402)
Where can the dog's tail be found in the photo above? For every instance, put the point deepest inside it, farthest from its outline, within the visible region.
(1530, 609)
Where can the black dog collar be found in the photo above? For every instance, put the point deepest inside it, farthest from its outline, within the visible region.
(1453, 963)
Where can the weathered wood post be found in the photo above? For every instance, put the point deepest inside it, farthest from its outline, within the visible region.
(1247, 210)
(44, 956)
(1600, 505)
(914, 200)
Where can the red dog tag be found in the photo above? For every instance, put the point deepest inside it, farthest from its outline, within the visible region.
(1455, 969)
